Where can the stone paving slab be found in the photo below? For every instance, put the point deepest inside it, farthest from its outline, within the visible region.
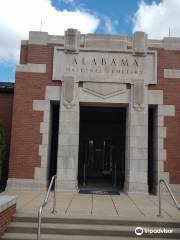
(125, 206)
(88, 205)
(103, 205)
(81, 204)
(68, 237)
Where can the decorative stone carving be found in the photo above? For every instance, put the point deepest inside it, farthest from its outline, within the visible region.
(140, 43)
(108, 42)
(115, 67)
(104, 90)
(72, 40)
(138, 95)
(68, 91)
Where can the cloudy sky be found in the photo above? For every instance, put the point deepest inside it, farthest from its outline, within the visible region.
(18, 17)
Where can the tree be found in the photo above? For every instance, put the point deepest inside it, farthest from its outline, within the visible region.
(2, 148)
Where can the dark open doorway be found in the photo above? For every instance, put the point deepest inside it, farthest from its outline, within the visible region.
(152, 145)
(53, 140)
(102, 147)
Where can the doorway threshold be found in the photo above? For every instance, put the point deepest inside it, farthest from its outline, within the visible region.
(99, 192)
(100, 187)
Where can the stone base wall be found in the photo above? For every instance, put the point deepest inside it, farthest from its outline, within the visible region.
(5, 218)
(7, 210)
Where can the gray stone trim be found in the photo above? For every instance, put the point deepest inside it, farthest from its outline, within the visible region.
(136, 152)
(110, 42)
(53, 93)
(6, 202)
(155, 96)
(162, 111)
(68, 144)
(172, 43)
(120, 97)
(102, 41)
(43, 149)
(38, 38)
(44, 126)
(160, 131)
(160, 151)
(155, 43)
(166, 110)
(26, 184)
(31, 67)
(55, 39)
(140, 43)
(24, 42)
(104, 90)
(41, 105)
(41, 172)
(172, 73)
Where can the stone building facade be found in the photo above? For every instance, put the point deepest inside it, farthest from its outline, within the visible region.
(63, 81)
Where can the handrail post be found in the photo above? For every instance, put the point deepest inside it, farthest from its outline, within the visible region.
(171, 194)
(44, 204)
(54, 199)
(159, 194)
(39, 224)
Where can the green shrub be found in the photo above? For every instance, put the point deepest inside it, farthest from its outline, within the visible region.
(2, 148)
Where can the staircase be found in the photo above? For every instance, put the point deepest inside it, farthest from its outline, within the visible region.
(68, 228)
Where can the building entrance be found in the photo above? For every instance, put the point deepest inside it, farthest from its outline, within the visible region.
(102, 147)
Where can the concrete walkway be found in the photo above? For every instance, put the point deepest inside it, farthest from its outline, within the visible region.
(75, 204)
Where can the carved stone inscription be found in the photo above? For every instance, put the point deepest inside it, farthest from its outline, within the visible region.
(104, 67)
(139, 95)
(122, 65)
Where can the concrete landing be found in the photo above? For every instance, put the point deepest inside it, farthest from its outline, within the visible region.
(96, 206)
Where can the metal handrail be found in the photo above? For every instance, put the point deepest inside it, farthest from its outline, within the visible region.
(53, 180)
(171, 194)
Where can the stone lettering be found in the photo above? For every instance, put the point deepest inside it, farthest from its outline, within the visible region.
(83, 61)
(103, 62)
(93, 63)
(135, 63)
(74, 61)
(113, 63)
(124, 63)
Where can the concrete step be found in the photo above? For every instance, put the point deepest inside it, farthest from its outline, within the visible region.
(59, 227)
(26, 236)
(98, 221)
(85, 229)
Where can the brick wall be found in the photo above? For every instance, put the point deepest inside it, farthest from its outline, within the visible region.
(5, 218)
(171, 87)
(26, 135)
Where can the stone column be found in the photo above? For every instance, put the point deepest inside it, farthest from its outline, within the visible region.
(68, 145)
(136, 166)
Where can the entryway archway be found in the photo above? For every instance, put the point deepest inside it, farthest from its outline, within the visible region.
(102, 147)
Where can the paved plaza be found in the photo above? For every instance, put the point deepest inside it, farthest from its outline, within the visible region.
(90, 205)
